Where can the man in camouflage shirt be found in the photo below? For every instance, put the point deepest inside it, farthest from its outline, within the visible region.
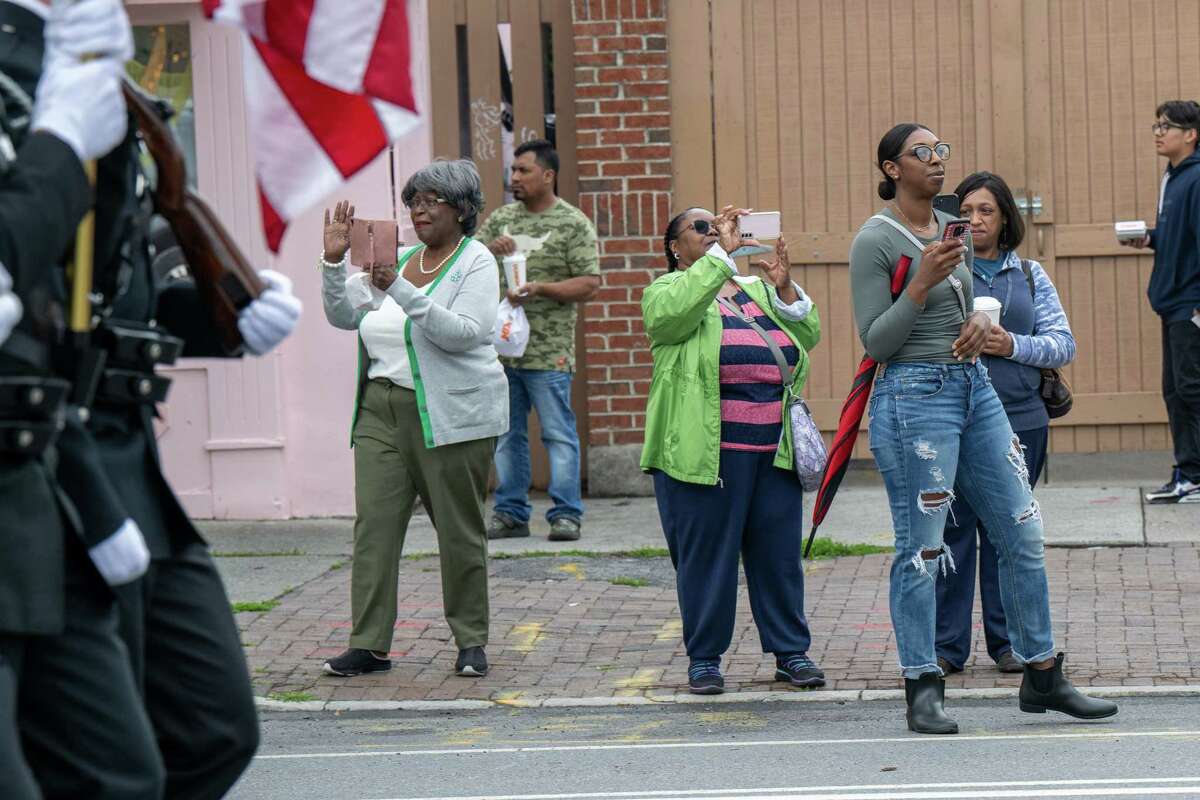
(563, 269)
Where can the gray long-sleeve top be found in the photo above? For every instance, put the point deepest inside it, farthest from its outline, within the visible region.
(904, 331)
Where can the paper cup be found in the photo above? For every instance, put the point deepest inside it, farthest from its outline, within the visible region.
(990, 306)
(514, 270)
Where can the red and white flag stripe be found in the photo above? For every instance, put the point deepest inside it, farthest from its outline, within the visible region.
(328, 87)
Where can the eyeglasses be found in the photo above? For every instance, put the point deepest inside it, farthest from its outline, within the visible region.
(1161, 128)
(425, 204)
(925, 153)
(701, 226)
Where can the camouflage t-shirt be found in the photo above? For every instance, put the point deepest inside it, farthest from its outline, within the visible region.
(558, 243)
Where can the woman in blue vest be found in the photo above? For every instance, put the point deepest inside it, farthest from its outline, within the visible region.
(1033, 334)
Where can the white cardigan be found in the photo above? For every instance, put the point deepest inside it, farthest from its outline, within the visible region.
(462, 393)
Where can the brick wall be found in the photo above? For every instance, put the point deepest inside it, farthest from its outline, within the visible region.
(624, 159)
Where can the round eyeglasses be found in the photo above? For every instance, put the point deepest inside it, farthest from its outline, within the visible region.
(925, 153)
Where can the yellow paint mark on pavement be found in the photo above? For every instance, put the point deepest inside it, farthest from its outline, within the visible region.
(511, 697)
(670, 631)
(527, 636)
(643, 678)
(468, 737)
(573, 569)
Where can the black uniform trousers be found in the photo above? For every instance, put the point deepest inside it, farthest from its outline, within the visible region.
(71, 721)
(176, 620)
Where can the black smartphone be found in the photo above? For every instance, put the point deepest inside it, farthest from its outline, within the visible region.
(947, 204)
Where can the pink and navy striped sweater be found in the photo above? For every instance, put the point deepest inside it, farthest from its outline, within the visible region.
(751, 386)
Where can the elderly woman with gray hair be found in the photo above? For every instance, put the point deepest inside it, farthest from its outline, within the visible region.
(432, 398)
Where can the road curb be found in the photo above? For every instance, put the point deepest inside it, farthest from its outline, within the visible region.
(837, 696)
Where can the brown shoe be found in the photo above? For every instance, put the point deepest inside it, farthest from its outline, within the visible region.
(946, 667)
(1007, 662)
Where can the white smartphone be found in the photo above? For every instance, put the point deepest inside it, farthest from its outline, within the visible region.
(760, 225)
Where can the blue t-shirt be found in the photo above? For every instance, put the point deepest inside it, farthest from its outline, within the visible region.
(989, 268)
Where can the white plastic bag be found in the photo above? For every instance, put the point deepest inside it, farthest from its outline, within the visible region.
(511, 334)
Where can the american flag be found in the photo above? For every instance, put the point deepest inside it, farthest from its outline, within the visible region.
(328, 88)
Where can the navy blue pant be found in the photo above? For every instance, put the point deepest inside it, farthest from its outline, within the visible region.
(756, 511)
(956, 591)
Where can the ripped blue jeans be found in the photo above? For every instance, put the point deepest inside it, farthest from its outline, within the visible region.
(937, 429)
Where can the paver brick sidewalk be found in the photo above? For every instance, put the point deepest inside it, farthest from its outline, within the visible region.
(1125, 616)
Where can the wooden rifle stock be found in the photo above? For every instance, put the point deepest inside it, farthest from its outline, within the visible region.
(225, 279)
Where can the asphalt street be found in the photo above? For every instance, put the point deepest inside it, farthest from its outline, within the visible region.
(815, 751)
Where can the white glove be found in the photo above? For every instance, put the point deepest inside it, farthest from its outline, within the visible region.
(81, 103)
(268, 320)
(89, 29)
(122, 557)
(10, 305)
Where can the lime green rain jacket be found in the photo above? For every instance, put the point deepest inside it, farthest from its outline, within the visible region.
(683, 411)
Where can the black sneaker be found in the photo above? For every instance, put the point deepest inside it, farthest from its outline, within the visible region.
(505, 527)
(564, 529)
(799, 670)
(1176, 490)
(704, 677)
(356, 661)
(472, 663)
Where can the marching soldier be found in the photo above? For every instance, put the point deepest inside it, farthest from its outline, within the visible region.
(176, 620)
(71, 720)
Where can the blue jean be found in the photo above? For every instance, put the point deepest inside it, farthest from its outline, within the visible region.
(956, 593)
(935, 428)
(549, 392)
(757, 512)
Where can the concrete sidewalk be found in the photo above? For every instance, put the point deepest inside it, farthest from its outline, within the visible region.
(1125, 582)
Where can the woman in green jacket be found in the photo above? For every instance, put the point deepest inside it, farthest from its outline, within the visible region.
(718, 445)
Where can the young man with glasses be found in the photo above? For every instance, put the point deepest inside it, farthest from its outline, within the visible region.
(562, 270)
(1174, 291)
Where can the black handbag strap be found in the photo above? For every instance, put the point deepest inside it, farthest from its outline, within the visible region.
(785, 373)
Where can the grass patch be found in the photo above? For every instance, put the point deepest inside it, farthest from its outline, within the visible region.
(621, 580)
(337, 565)
(641, 552)
(291, 697)
(257, 605)
(418, 556)
(257, 553)
(824, 547)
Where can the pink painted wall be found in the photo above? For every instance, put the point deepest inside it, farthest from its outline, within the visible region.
(268, 438)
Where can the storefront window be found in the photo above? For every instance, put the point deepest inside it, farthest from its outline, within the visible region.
(162, 65)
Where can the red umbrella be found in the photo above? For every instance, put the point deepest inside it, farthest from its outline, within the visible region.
(848, 422)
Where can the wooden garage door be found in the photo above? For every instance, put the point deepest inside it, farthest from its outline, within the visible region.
(783, 107)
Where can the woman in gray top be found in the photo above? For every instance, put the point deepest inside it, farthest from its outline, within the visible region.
(432, 398)
(937, 428)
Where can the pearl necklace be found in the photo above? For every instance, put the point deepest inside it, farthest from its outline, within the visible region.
(442, 263)
(900, 211)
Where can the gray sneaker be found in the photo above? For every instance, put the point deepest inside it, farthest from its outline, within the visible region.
(564, 529)
(505, 527)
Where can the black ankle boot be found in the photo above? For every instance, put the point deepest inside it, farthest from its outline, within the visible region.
(1045, 690)
(925, 697)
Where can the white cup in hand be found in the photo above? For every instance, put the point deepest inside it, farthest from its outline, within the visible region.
(990, 306)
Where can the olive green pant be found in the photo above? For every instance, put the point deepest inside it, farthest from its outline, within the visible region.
(392, 467)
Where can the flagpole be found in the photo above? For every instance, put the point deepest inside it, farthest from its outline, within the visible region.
(392, 182)
(81, 273)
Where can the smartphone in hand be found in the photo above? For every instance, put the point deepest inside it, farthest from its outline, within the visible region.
(947, 204)
(957, 229)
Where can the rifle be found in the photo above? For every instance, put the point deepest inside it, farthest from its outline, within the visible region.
(225, 279)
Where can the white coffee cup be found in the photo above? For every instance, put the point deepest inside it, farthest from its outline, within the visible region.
(990, 306)
(514, 270)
